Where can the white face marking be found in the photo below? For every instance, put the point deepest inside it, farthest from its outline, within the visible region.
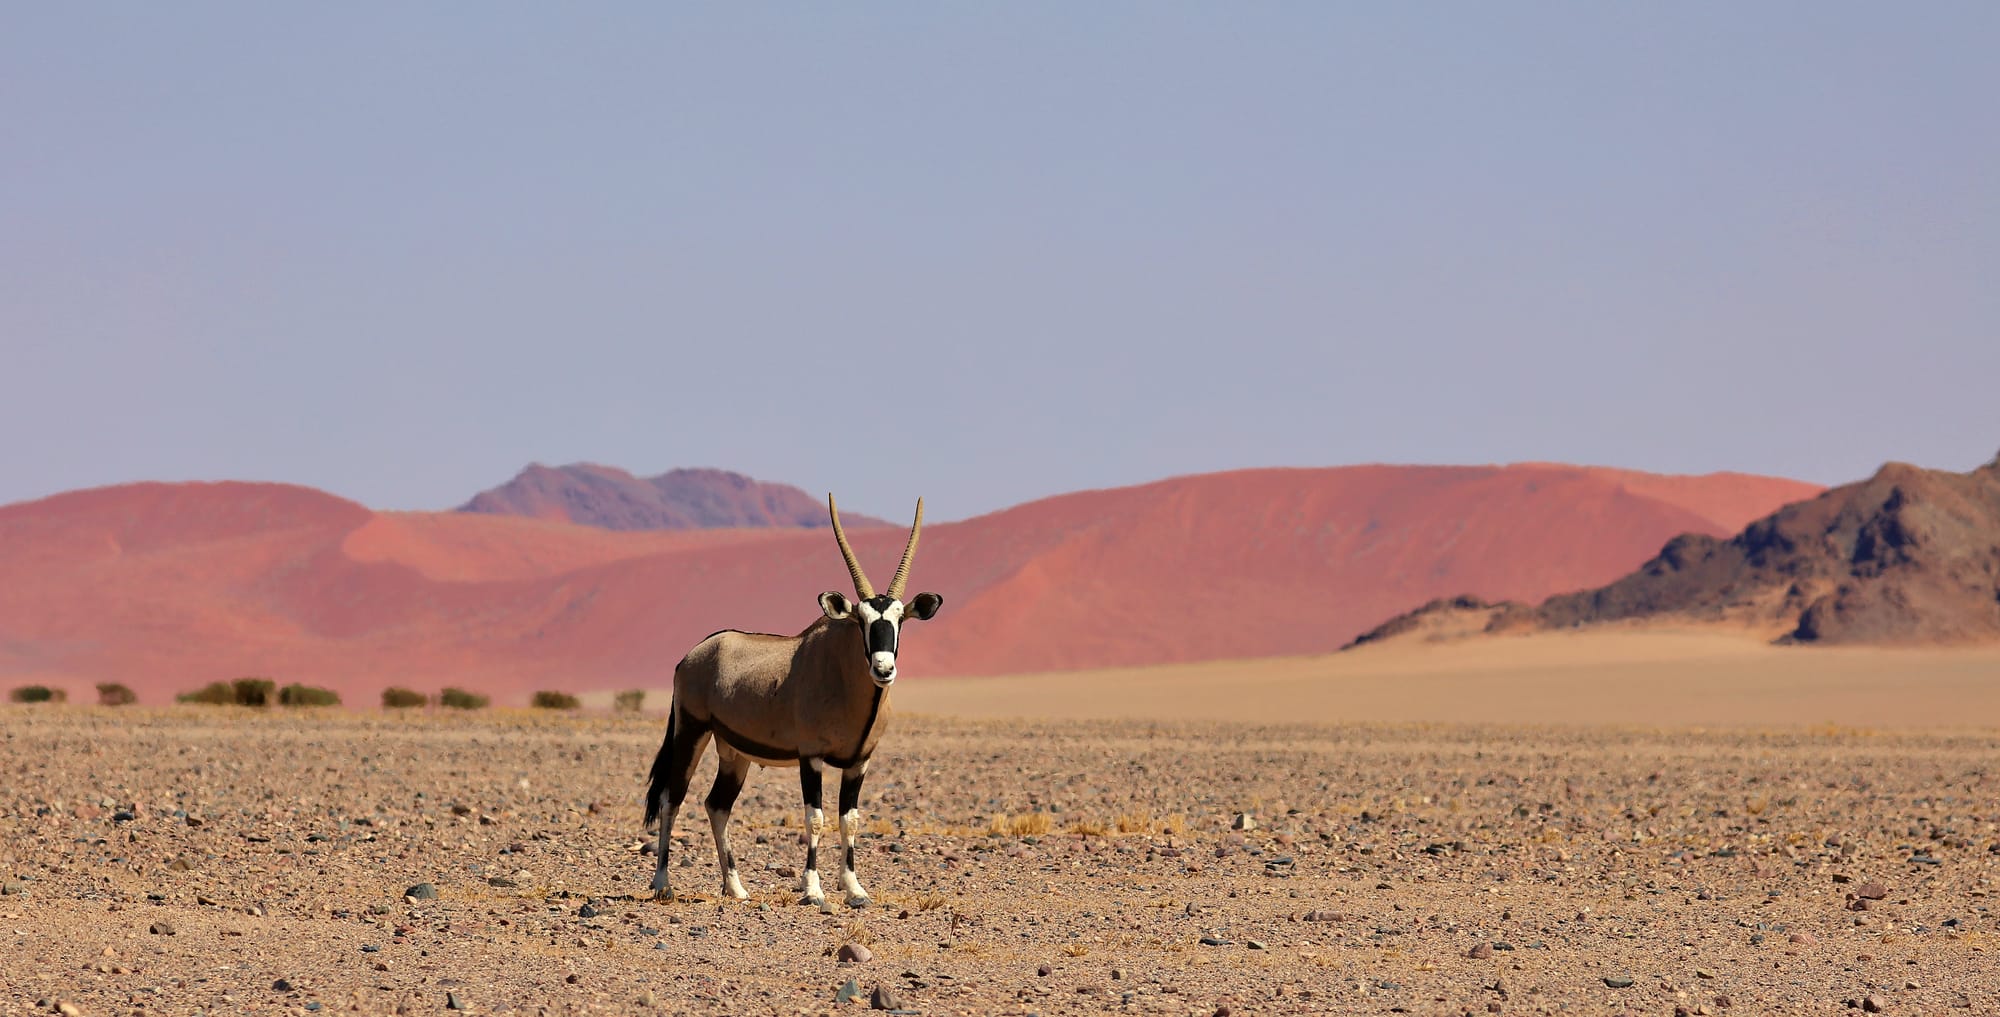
(881, 663)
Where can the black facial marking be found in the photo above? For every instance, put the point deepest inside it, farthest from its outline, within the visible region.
(881, 636)
(880, 603)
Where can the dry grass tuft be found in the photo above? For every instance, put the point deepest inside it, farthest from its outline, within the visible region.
(1075, 949)
(1033, 824)
(930, 902)
(1089, 828)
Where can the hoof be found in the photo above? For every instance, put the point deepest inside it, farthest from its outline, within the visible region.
(664, 895)
(858, 902)
(817, 902)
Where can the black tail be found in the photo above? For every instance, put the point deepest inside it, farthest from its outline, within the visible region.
(661, 764)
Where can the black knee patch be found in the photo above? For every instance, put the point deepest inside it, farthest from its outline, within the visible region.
(809, 783)
(812, 858)
(847, 858)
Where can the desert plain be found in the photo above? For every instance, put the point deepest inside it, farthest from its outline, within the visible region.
(1638, 822)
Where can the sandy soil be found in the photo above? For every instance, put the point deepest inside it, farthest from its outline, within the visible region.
(169, 861)
(1614, 676)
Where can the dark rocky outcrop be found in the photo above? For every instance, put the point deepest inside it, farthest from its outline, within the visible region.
(1909, 555)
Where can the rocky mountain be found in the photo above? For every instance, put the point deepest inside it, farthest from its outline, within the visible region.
(1909, 555)
(688, 499)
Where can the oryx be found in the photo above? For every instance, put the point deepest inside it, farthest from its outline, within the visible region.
(816, 701)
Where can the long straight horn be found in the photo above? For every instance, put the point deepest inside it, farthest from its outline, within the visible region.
(861, 587)
(909, 553)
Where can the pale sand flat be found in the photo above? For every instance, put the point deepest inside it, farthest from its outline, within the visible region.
(1646, 678)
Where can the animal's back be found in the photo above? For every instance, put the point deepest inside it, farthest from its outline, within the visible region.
(732, 666)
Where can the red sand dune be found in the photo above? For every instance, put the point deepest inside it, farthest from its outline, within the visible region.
(165, 587)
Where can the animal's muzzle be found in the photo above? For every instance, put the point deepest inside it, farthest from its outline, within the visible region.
(884, 667)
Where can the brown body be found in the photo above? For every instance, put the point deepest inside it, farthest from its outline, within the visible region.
(777, 699)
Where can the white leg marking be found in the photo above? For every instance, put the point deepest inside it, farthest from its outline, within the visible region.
(662, 891)
(809, 881)
(725, 859)
(850, 828)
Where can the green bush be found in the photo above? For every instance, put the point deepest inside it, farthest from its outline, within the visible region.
(212, 694)
(307, 695)
(459, 699)
(37, 694)
(253, 691)
(630, 701)
(403, 699)
(115, 694)
(546, 700)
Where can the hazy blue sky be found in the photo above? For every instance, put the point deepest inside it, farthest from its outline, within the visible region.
(986, 253)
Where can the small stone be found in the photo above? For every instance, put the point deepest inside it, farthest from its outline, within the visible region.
(1044, 971)
(1703, 973)
(588, 910)
(1256, 945)
(283, 985)
(1480, 952)
(1323, 916)
(1617, 982)
(1117, 974)
(1244, 821)
(452, 1001)
(851, 990)
(124, 816)
(1805, 938)
(885, 998)
(422, 891)
(179, 865)
(13, 887)
(1722, 1002)
(68, 1009)
(854, 953)
(1215, 941)
(161, 928)
(1871, 891)
(647, 998)
(1874, 1004)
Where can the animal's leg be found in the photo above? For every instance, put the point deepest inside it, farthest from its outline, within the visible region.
(809, 782)
(672, 772)
(850, 828)
(730, 771)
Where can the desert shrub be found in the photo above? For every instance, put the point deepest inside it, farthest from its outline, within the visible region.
(115, 694)
(307, 695)
(37, 694)
(403, 699)
(253, 691)
(630, 701)
(546, 700)
(459, 699)
(212, 694)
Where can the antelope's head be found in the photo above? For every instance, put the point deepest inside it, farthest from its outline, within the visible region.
(880, 617)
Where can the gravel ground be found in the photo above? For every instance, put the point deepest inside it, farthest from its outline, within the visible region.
(223, 861)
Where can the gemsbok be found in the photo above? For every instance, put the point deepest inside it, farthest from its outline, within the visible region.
(816, 701)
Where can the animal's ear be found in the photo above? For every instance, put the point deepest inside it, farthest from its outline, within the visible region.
(924, 606)
(835, 606)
